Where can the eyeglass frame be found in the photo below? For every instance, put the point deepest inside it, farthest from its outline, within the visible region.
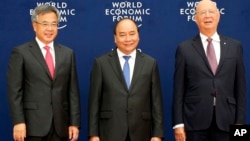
(46, 24)
(204, 12)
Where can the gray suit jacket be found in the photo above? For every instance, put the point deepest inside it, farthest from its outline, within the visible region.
(35, 98)
(115, 111)
(195, 84)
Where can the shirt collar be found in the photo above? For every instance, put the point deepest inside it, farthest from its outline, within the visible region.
(215, 37)
(121, 54)
(41, 44)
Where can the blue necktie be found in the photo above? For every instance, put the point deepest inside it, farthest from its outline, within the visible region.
(126, 71)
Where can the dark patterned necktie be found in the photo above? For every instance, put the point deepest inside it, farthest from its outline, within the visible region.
(211, 56)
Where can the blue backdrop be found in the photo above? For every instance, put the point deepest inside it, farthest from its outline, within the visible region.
(86, 27)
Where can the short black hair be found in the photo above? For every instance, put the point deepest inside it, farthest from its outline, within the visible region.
(116, 24)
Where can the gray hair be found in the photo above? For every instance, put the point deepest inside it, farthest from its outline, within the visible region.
(44, 9)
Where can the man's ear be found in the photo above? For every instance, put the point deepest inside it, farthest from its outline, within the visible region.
(114, 39)
(34, 25)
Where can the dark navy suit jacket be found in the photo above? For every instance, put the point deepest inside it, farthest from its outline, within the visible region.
(195, 84)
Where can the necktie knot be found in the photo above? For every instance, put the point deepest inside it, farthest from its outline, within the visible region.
(47, 48)
(126, 58)
(209, 40)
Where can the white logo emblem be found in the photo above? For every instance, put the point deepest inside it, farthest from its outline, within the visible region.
(132, 10)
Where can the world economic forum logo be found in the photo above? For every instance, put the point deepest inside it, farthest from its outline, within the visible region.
(65, 12)
(125, 9)
(189, 10)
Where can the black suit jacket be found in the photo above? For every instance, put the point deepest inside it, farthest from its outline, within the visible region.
(35, 98)
(114, 110)
(194, 85)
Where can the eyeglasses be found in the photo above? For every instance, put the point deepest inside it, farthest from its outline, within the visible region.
(46, 24)
(204, 12)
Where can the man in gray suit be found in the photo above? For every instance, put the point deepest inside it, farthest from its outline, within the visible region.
(209, 81)
(42, 84)
(121, 110)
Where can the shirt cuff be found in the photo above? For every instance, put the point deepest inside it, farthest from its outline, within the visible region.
(178, 125)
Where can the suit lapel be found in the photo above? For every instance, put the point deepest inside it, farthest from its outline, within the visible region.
(115, 64)
(223, 46)
(139, 62)
(36, 51)
(223, 52)
(58, 58)
(199, 48)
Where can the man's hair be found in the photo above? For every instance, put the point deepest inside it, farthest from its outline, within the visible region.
(114, 30)
(44, 9)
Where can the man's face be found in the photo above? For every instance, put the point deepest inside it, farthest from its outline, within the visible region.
(207, 16)
(127, 36)
(46, 27)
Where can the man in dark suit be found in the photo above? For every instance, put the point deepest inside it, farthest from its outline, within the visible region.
(44, 95)
(121, 110)
(209, 82)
